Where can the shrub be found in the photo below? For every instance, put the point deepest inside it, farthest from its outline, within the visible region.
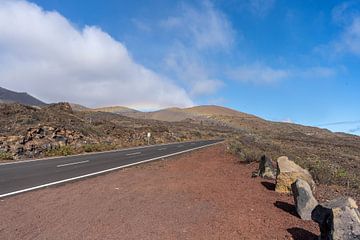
(99, 147)
(60, 151)
(6, 156)
(244, 154)
(321, 173)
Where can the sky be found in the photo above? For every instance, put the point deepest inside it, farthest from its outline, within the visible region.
(290, 61)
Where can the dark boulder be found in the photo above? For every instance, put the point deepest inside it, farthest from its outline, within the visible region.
(304, 199)
(338, 219)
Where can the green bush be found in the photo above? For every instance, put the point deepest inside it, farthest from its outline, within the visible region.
(244, 154)
(97, 147)
(6, 156)
(60, 151)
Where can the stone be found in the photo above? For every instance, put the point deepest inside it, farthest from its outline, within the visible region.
(13, 138)
(338, 219)
(304, 199)
(267, 168)
(288, 172)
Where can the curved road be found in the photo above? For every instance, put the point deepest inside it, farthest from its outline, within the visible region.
(19, 177)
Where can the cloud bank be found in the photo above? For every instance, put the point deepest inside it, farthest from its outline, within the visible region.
(198, 31)
(258, 73)
(41, 52)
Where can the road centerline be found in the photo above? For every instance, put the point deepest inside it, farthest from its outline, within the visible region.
(74, 163)
(132, 154)
(19, 178)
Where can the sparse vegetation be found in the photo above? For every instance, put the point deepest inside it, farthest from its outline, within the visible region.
(6, 156)
(324, 162)
(243, 152)
(332, 158)
(61, 151)
(99, 147)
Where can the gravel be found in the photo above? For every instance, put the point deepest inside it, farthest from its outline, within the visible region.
(200, 195)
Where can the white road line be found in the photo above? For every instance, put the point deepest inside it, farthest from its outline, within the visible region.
(160, 149)
(103, 171)
(180, 146)
(135, 153)
(74, 163)
(91, 153)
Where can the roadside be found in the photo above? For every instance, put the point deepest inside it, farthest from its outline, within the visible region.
(200, 195)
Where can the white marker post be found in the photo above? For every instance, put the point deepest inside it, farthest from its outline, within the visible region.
(148, 137)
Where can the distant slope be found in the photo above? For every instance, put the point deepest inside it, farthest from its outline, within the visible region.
(115, 109)
(211, 110)
(8, 96)
(78, 107)
(198, 113)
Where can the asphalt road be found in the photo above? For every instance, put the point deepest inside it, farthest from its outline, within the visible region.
(19, 177)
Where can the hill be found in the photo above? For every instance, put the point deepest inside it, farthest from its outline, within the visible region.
(198, 114)
(115, 109)
(8, 96)
(28, 132)
(78, 107)
(332, 158)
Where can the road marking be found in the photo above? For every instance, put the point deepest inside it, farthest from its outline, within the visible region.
(180, 146)
(91, 153)
(135, 153)
(161, 149)
(105, 171)
(74, 163)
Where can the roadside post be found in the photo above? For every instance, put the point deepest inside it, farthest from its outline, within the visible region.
(148, 137)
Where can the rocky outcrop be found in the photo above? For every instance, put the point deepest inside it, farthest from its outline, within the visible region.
(266, 168)
(338, 219)
(304, 199)
(288, 172)
(36, 141)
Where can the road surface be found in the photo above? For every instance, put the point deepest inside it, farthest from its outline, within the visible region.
(20, 177)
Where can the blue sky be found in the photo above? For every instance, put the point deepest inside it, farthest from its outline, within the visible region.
(295, 61)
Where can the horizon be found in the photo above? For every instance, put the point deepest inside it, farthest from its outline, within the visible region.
(282, 61)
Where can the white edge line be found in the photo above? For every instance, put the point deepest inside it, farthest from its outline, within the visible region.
(103, 171)
(110, 151)
(73, 163)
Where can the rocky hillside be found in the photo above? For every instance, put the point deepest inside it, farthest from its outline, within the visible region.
(7, 96)
(56, 129)
(332, 158)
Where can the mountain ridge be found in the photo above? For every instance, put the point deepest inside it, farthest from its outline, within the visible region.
(9, 96)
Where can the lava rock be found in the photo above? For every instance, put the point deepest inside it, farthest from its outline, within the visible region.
(304, 199)
(288, 172)
(338, 219)
(267, 168)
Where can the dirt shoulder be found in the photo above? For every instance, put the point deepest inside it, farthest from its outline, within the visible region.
(200, 195)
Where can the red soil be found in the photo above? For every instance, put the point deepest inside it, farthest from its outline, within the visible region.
(200, 195)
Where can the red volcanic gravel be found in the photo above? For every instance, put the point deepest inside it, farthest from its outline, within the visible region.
(200, 195)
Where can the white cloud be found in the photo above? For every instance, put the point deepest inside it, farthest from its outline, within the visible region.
(317, 72)
(188, 67)
(258, 73)
(42, 53)
(141, 25)
(347, 16)
(287, 120)
(261, 8)
(196, 30)
(345, 12)
(350, 39)
(205, 27)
